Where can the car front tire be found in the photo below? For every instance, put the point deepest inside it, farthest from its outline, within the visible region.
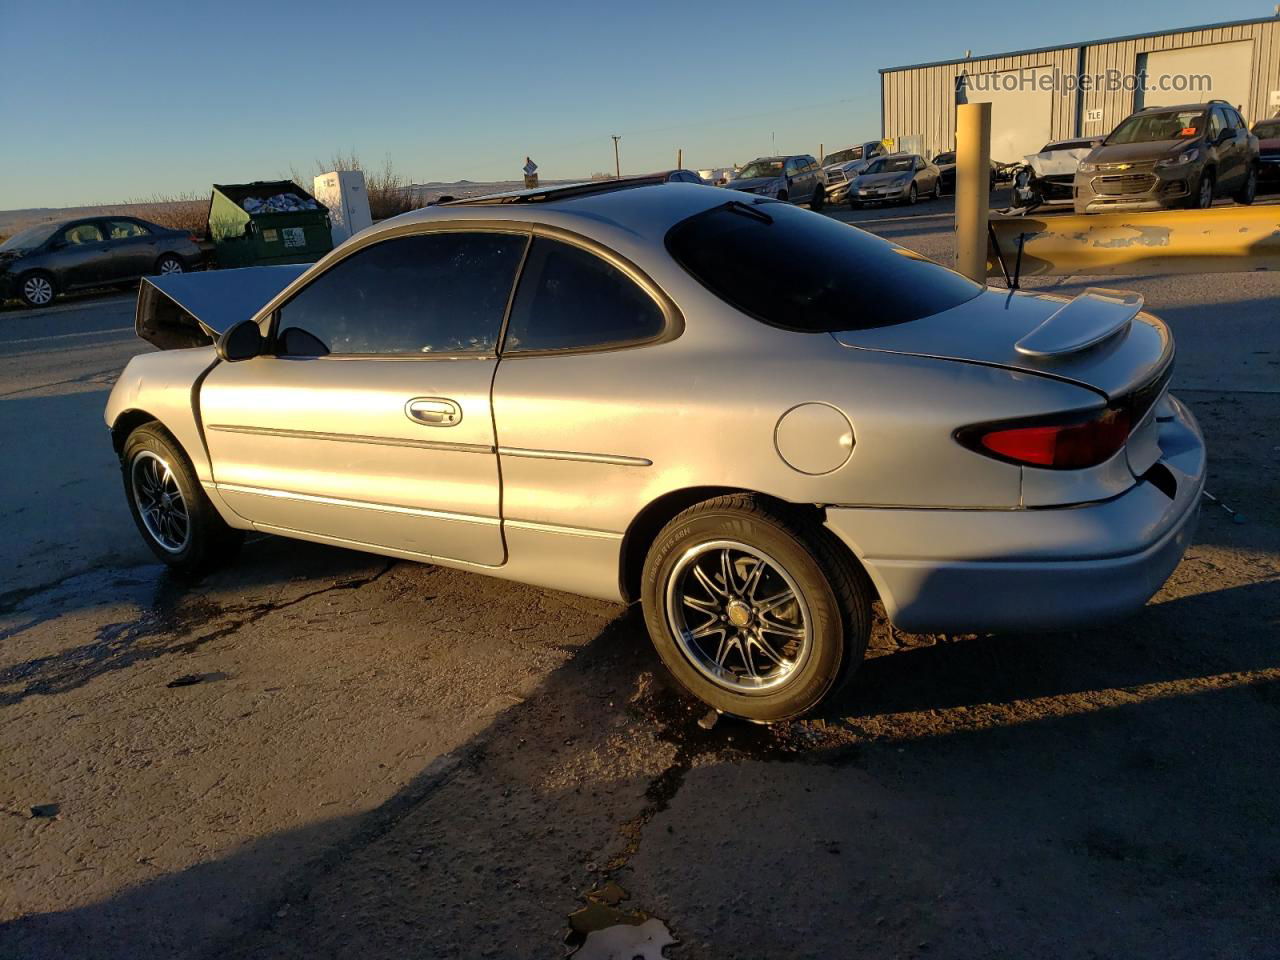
(1203, 198)
(169, 507)
(755, 611)
(1250, 188)
(37, 289)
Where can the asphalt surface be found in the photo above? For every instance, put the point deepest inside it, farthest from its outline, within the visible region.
(319, 753)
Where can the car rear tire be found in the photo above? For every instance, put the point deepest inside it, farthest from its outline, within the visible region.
(1203, 198)
(784, 196)
(37, 289)
(169, 507)
(819, 199)
(787, 610)
(1250, 189)
(169, 263)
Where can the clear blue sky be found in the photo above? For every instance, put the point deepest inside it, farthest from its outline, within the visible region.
(108, 101)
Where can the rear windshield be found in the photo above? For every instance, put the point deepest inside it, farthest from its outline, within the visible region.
(803, 271)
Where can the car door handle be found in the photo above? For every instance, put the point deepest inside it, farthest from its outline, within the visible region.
(433, 411)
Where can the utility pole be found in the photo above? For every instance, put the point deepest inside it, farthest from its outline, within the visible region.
(617, 164)
(679, 158)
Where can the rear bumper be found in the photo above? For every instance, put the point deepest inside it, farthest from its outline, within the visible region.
(1033, 569)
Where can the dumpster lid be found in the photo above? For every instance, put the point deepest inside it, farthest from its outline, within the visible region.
(212, 301)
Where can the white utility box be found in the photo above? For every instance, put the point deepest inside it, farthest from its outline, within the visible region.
(344, 194)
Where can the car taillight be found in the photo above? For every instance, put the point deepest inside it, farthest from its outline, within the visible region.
(1059, 446)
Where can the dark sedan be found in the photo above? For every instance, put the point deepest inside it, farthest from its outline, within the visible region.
(946, 164)
(43, 261)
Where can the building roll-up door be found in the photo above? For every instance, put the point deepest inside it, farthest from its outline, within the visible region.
(1229, 67)
(1021, 109)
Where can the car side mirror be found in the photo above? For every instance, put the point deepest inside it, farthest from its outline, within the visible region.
(244, 341)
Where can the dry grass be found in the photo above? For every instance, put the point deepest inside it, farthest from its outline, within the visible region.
(389, 190)
(183, 211)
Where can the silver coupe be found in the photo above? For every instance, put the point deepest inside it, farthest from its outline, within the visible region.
(753, 419)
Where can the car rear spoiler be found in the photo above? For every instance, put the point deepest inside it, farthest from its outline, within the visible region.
(182, 310)
(1091, 318)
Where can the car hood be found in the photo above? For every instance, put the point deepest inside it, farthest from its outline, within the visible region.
(751, 183)
(1058, 162)
(1099, 340)
(1140, 152)
(9, 256)
(883, 179)
(191, 309)
(849, 167)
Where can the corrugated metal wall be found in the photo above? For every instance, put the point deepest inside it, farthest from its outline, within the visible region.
(921, 100)
(1123, 56)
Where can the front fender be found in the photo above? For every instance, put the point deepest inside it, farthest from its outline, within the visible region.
(164, 385)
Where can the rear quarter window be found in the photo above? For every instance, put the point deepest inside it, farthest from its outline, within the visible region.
(798, 270)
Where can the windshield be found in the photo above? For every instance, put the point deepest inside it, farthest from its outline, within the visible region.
(844, 156)
(945, 158)
(791, 269)
(1267, 131)
(891, 165)
(760, 168)
(1154, 127)
(30, 237)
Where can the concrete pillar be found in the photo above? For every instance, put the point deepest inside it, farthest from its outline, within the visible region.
(973, 188)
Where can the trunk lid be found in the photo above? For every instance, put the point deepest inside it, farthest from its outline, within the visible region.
(1100, 340)
(180, 310)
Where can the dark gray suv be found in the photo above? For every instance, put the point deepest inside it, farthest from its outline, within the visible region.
(1164, 157)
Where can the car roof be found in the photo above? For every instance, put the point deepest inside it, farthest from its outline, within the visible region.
(1185, 106)
(620, 213)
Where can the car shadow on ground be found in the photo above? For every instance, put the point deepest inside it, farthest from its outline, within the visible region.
(953, 792)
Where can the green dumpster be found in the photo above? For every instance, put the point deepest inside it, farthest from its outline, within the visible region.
(268, 221)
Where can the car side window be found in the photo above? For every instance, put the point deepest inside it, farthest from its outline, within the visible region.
(571, 299)
(1217, 123)
(435, 293)
(83, 233)
(125, 229)
(1237, 121)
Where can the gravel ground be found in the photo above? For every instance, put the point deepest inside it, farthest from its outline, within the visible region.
(318, 753)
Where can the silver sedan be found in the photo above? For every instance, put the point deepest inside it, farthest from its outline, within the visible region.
(900, 178)
(622, 390)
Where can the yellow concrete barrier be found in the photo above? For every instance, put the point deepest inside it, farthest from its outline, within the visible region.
(1232, 239)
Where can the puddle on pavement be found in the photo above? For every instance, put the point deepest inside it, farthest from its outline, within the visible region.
(604, 930)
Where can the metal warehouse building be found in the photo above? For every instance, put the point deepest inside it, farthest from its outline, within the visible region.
(1083, 89)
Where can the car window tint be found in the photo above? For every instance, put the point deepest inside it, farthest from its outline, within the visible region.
(124, 229)
(794, 270)
(571, 299)
(84, 233)
(439, 293)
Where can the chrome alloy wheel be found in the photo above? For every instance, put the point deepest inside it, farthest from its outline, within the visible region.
(738, 617)
(37, 290)
(159, 500)
(170, 265)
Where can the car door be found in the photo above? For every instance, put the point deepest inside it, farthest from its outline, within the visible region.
(132, 247)
(574, 436)
(1240, 138)
(370, 421)
(82, 255)
(1220, 143)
